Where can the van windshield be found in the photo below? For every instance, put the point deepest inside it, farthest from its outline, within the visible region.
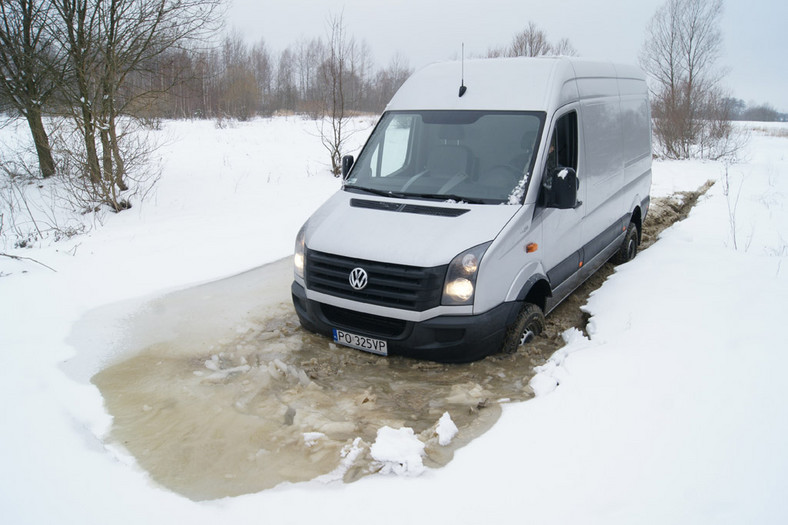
(482, 157)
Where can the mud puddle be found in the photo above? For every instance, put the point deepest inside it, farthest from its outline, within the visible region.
(274, 403)
(218, 392)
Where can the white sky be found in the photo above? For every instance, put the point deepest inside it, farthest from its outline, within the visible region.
(422, 31)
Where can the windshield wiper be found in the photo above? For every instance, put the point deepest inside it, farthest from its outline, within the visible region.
(403, 195)
(373, 191)
(445, 197)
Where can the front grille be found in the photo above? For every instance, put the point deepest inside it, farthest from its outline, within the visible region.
(394, 285)
(363, 322)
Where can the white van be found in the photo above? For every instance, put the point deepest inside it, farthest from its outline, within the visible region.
(486, 194)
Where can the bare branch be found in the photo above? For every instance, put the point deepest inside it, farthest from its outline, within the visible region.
(19, 258)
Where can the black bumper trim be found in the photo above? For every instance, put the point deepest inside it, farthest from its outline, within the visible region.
(448, 339)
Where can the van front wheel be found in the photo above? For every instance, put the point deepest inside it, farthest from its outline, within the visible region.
(529, 324)
(629, 248)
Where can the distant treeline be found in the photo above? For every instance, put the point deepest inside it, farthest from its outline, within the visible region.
(240, 81)
(756, 113)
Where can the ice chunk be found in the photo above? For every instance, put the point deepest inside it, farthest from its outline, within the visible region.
(398, 451)
(446, 429)
(349, 454)
(311, 438)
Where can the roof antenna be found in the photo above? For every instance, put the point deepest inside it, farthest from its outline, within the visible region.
(463, 89)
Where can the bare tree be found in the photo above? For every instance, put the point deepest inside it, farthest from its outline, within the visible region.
(335, 74)
(286, 89)
(240, 96)
(389, 80)
(310, 57)
(683, 43)
(359, 73)
(261, 65)
(564, 48)
(530, 42)
(533, 42)
(27, 58)
(207, 74)
(105, 41)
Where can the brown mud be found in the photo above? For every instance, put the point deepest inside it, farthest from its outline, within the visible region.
(219, 392)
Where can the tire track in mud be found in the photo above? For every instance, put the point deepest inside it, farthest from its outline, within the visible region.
(221, 397)
(663, 212)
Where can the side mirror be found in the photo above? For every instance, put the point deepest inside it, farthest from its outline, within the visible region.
(347, 163)
(560, 189)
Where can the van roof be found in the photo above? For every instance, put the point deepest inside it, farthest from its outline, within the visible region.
(506, 84)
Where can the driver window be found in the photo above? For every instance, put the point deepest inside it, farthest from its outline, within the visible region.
(562, 150)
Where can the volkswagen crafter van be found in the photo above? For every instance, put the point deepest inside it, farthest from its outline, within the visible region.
(487, 192)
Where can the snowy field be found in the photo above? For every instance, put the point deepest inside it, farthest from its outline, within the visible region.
(672, 411)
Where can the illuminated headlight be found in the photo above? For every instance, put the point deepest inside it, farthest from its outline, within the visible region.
(299, 257)
(460, 285)
(460, 290)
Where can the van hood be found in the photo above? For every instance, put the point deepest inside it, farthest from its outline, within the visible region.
(402, 231)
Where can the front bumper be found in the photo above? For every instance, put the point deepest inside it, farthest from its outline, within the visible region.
(453, 339)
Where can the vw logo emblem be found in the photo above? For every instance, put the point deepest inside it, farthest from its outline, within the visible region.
(358, 278)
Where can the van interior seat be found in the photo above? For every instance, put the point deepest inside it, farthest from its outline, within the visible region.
(449, 162)
(502, 176)
(497, 182)
(527, 147)
(450, 159)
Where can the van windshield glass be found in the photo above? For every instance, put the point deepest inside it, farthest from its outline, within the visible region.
(483, 157)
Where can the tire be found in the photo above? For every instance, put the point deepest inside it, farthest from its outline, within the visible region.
(529, 324)
(629, 248)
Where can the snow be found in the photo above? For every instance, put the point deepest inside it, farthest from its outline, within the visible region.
(398, 451)
(521, 83)
(446, 429)
(671, 410)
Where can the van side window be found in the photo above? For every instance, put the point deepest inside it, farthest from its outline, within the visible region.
(562, 151)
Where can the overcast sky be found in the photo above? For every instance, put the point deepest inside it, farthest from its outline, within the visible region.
(755, 32)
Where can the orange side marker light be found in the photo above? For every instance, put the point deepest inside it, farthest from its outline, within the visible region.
(531, 247)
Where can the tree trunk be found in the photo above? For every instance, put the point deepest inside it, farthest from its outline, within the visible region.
(94, 168)
(120, 166)
(106, 155)
(45, 161)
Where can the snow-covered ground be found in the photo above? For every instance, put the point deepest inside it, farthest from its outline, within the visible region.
(673, 411)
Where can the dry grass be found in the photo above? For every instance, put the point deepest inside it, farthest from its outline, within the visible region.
(781, 132)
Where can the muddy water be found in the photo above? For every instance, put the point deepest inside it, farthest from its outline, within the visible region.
(217, 391)
(274, 403)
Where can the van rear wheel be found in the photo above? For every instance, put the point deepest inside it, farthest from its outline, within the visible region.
(529, 324)
(629, 248)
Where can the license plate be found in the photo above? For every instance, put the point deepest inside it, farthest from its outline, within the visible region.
(361, 342)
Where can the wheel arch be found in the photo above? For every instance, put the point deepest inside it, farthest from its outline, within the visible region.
(536, 290)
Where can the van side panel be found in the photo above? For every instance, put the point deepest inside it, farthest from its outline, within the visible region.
(603, 171)
(636, 123)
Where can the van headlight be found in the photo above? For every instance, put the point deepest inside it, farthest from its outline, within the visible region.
(299, 257)
(460, 285)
